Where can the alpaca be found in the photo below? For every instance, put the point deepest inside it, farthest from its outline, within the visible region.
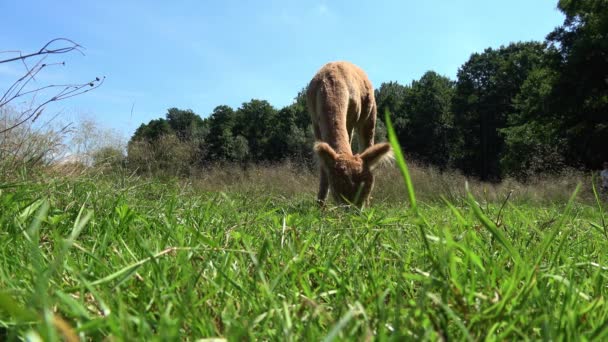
(340, 100)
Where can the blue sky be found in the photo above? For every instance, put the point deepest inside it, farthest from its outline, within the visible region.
(200, 54)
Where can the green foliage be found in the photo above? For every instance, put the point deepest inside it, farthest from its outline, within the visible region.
(286, 139)
(483, 100)
(532, 149)
(168, 156)
(109, 156)
(423, 120)
(220, 140)
(431, 125)
(186, 124)
(255, 132)
(171, 146)
(391, 96)
(253, 121)
(580, 94)
(152, 131)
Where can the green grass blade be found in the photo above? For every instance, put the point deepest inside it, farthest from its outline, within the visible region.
(549, 239)
(491, 226)
(335, 330)
(392, 137)
(455, 211)
(130, 267)
(15, 310)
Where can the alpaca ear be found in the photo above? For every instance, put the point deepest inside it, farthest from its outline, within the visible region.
(377, 154)
(327, 154)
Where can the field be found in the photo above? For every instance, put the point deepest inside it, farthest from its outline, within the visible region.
(247, 255)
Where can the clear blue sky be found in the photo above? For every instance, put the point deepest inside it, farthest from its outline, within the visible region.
(200, 54)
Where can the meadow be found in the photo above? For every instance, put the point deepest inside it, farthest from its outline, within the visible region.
(247, 255)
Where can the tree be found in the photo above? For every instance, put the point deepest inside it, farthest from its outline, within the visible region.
(186, 124)
(486, 86)
(239, 149)
(254, 119)
(88, 137)
(152, 131)
(173, 145)
(286, 138)
(220, 140)
(430, 121)
(301, 137)
(534, 141)
(381, 130)
(391, 96)
(580, 93)
(280, 132)
(421, 114)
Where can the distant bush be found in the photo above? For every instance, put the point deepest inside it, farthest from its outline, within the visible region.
(167, 155)
(27, 147)
(109, 157)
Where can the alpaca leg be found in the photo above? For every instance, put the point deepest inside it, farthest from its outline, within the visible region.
(366, 134)
(323, 188)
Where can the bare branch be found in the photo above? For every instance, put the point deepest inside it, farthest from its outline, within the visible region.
(22, 82)
(46, 51)
(65, 91)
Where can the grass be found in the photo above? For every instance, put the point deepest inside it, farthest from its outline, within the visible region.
(121, 258)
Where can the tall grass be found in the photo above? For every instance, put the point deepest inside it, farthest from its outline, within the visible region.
(289, 179)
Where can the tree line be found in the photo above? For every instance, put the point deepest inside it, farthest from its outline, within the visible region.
(517, 110)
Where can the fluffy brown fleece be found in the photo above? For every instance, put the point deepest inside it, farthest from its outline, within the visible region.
(341, 101)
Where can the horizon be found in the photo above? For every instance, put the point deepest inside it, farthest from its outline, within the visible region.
(198, 56)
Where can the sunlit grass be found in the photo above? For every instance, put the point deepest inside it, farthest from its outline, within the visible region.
(136, 259)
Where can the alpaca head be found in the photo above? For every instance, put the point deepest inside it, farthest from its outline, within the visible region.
(350, 176)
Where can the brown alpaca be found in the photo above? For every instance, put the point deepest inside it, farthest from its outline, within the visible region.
(341, 100)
